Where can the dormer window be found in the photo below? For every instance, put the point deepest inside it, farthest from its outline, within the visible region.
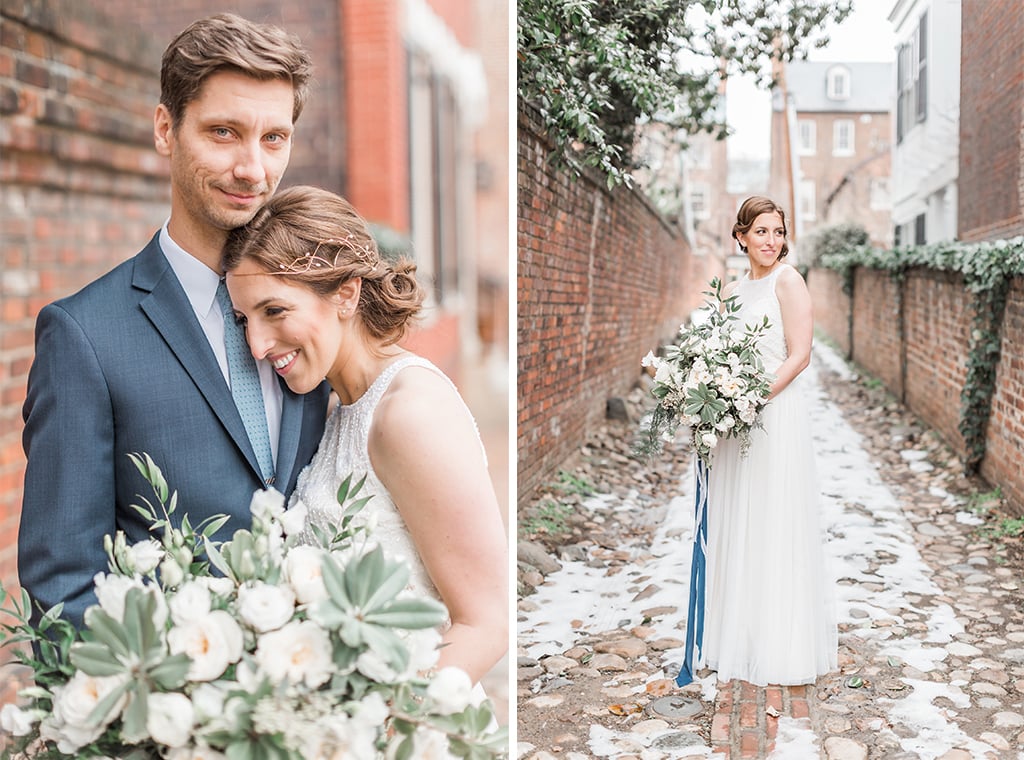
(838, 83)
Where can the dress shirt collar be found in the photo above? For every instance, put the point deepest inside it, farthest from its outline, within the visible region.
(198, 280)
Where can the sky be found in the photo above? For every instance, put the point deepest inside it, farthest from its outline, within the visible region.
(865, 35)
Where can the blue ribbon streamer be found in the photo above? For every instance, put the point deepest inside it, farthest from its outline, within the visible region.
(698, 572)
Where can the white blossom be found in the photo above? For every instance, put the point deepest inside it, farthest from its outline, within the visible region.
(709, 439)
(16, 721)
(293, 521)
(298, 652)
(267, 505)
(450, 689)
(169, 718)
(145, 556)
(212, 643)
(265, 607)
(190, 602)
(303, 568)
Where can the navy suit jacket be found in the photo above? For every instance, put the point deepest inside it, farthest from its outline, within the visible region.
(123, 366)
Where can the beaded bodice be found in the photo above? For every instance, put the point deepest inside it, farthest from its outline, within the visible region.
(344, 450)
(757, 299)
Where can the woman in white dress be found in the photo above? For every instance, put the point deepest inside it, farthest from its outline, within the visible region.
(319, 302)
(770, 615)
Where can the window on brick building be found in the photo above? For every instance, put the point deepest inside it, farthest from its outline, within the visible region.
(912, 80)
(807, 136)
(838, 83)
(919, 230)
(842, 137)
(699, 200)
(807, 200)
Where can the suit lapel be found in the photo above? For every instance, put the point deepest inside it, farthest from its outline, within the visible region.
(292, 408)
(169, 310)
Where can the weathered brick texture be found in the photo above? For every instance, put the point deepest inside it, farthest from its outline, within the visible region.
(934, 344)
(81, 187)
(991, 180)
(601, 281)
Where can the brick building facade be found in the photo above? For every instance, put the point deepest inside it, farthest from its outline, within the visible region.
(991, 200)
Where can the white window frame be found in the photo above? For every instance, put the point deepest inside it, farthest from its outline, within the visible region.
(808, 207)
(849, 148)
(807, 141)
(838, 83)
(702, 191)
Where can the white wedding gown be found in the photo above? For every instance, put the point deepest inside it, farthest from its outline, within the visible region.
(343, 451)
(770, 611)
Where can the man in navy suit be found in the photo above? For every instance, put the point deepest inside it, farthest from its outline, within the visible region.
(136, 361)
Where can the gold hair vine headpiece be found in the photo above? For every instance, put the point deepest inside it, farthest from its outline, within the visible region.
(315, 260)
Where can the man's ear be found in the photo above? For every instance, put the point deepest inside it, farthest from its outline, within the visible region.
(163, 130)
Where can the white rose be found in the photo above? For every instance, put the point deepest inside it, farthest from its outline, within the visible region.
(170, 718)
(190, 602)
(709, 439)
(726, 423)
(110, 592)
(267, 505)
(212, 643)
(372, 710)
(450, 689)
(265, 607)
(16, 721)
(301, 651)
(663, 374)
(68, 738)
(303, 568)
(339, 737)
(293, 521)
(145, 556)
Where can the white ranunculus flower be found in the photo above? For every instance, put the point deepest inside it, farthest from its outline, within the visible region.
(212, 643)
(303, 568)
(190, 602)
(75, 701)
(300, 651)
(208, 701)
(709, 439)
(431, 744)
(218, 585)
(111, 590)
(267, 505)
(145, 556)
(170, 717)
(293, 521)
(265, 607)
(450, 689)
(16, 721)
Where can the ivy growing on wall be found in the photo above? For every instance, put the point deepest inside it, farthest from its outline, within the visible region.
(988, 269)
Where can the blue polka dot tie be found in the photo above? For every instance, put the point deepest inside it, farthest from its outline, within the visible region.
(245, 385)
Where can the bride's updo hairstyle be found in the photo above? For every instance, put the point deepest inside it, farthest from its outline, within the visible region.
(752, 208)
(316, 239)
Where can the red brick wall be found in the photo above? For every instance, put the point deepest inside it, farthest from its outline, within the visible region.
(319, 153)
(1004, 460)
(601, 281)
(991, 180)
(935, 341)
(831, 306)
(876, 331)
(81, 187)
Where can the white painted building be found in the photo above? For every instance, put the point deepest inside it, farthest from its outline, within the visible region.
(926, 142)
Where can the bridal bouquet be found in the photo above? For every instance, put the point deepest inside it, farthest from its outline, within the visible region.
(712, 380)
(286, 652)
